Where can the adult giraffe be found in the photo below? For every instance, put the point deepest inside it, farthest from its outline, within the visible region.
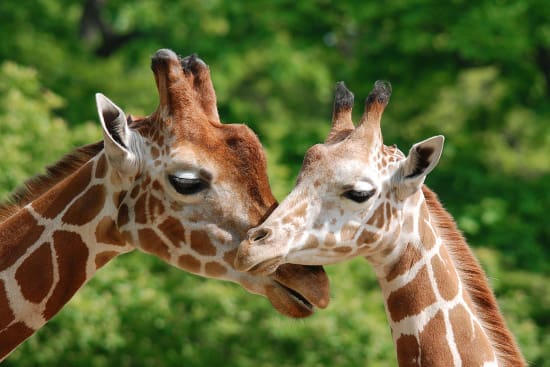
(177, 184)
(357, 197)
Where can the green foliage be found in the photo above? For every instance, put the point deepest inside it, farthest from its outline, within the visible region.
(477, 72)
(31, 134)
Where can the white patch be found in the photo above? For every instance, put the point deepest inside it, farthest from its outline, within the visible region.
(364, 186)
(187, 175)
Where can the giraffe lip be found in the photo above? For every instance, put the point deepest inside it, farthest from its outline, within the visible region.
(266, 267)
(298, 297)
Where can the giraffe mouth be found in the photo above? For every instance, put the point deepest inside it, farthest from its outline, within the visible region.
(297, 290)
(266, 267)
(301, 300)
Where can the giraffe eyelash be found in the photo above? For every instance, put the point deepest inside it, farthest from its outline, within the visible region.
(359, 196)
(187, 186)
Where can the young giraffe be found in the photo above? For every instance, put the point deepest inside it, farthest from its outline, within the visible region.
(177, 184)
(357, 197)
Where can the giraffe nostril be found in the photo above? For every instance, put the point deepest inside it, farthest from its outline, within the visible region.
(259, 234)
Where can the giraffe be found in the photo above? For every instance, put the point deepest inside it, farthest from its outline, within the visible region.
(178, 184)
(355, 196)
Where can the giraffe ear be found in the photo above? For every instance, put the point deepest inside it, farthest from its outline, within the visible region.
(422, 159)
(117, 136)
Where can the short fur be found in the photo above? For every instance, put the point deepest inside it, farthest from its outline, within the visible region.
(39, 184)
(475, 282)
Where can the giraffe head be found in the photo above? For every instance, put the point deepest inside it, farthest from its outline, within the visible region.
(349, 197)
(188, 187)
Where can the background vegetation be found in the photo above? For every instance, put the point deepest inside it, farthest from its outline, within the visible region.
(476, 71)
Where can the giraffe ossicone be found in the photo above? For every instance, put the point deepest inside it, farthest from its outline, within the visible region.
(355, 196)
(177, 184)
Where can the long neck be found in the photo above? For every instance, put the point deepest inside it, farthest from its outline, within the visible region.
(438, 302)
(52, 246)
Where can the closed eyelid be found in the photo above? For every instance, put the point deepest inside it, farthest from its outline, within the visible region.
(363, 185)
(192, 173)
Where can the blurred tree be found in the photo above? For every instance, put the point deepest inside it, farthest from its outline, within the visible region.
(478, 72)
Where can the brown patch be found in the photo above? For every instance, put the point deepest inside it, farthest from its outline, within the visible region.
(316, 183)
(123, 216)
(229, 256)
(86, 207)
(71, 255)
(59, 197)
(343, 249)
(287, 219)
(157, 186)
(408, 258)
(388, 213)
(13, 336)
(140, 210)
(128, 237)
(434, 345)
(472, 344)
(214, 269)
(412, 298)
(445, 275)
(311, 242)
(101, 167)
(104, 257)
(146, 181)
(330, 240)
(118, 198)
(150, 242)
(18, 233)
(6, 316)
(300, 212)
(107, 232)
(466, 297)
(35, 275)
(427, 236)
(367, 237)
(173, 229)
(408, 225)
(377, 218)
(135, 192)
(156, 208)
(348, 232)
(160, 140)
(189, 263)
(154, 152)
(387, 250)
(408, 351)
(200, 242)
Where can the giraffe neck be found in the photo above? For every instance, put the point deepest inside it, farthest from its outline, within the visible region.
(52, 246)
(430, 297)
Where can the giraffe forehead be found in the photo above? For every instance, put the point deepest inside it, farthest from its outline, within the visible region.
(345, 157)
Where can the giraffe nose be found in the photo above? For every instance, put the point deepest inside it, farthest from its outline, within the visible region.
(259, 234)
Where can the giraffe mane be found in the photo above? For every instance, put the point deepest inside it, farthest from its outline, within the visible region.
(473, 276)
(39, 184)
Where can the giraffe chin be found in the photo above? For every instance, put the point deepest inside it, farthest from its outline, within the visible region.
(298, 289)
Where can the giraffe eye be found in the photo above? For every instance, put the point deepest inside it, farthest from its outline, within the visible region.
(187, 186)
(359, 196)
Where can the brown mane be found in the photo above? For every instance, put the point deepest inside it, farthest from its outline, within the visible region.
(39, 184)
(476, 284)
